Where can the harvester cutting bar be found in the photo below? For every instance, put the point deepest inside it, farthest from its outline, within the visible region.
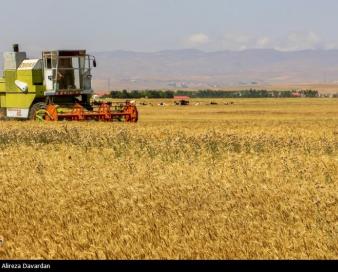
(127, 113)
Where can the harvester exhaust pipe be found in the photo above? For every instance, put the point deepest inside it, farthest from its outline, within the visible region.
(16, 48)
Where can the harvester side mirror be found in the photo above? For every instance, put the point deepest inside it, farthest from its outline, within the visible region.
(94, 63)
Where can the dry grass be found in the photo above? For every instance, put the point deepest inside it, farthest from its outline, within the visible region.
(257, 179)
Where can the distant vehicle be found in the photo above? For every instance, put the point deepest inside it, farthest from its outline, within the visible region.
(182, 100)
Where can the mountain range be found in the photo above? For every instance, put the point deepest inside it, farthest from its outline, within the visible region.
(198, 69)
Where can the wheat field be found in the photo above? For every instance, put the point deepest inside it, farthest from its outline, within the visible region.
(257, 179)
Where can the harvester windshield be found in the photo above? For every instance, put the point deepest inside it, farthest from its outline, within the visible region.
(67, 71)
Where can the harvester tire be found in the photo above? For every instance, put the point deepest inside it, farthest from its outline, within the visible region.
(35, 109)
(2, 114)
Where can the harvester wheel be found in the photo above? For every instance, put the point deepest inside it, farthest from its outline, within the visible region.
(2, 114)
(38, 112)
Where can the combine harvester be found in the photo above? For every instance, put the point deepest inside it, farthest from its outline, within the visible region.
(55, 88)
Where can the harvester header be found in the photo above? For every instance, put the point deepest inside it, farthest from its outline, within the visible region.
(56, 87)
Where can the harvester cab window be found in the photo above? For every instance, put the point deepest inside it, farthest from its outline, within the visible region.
(48, 63)
(65, 74)
(67, 71)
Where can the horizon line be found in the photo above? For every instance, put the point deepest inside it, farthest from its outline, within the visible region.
(192, 50)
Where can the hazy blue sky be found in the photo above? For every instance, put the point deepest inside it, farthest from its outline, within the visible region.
(152, 25)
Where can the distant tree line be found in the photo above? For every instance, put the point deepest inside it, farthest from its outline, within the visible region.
(135, 94)
(252, 93)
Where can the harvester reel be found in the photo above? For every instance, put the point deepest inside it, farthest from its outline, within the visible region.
(51, 113)
(132, 113)
(40, 115)
(37, 111)
(43, 112)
